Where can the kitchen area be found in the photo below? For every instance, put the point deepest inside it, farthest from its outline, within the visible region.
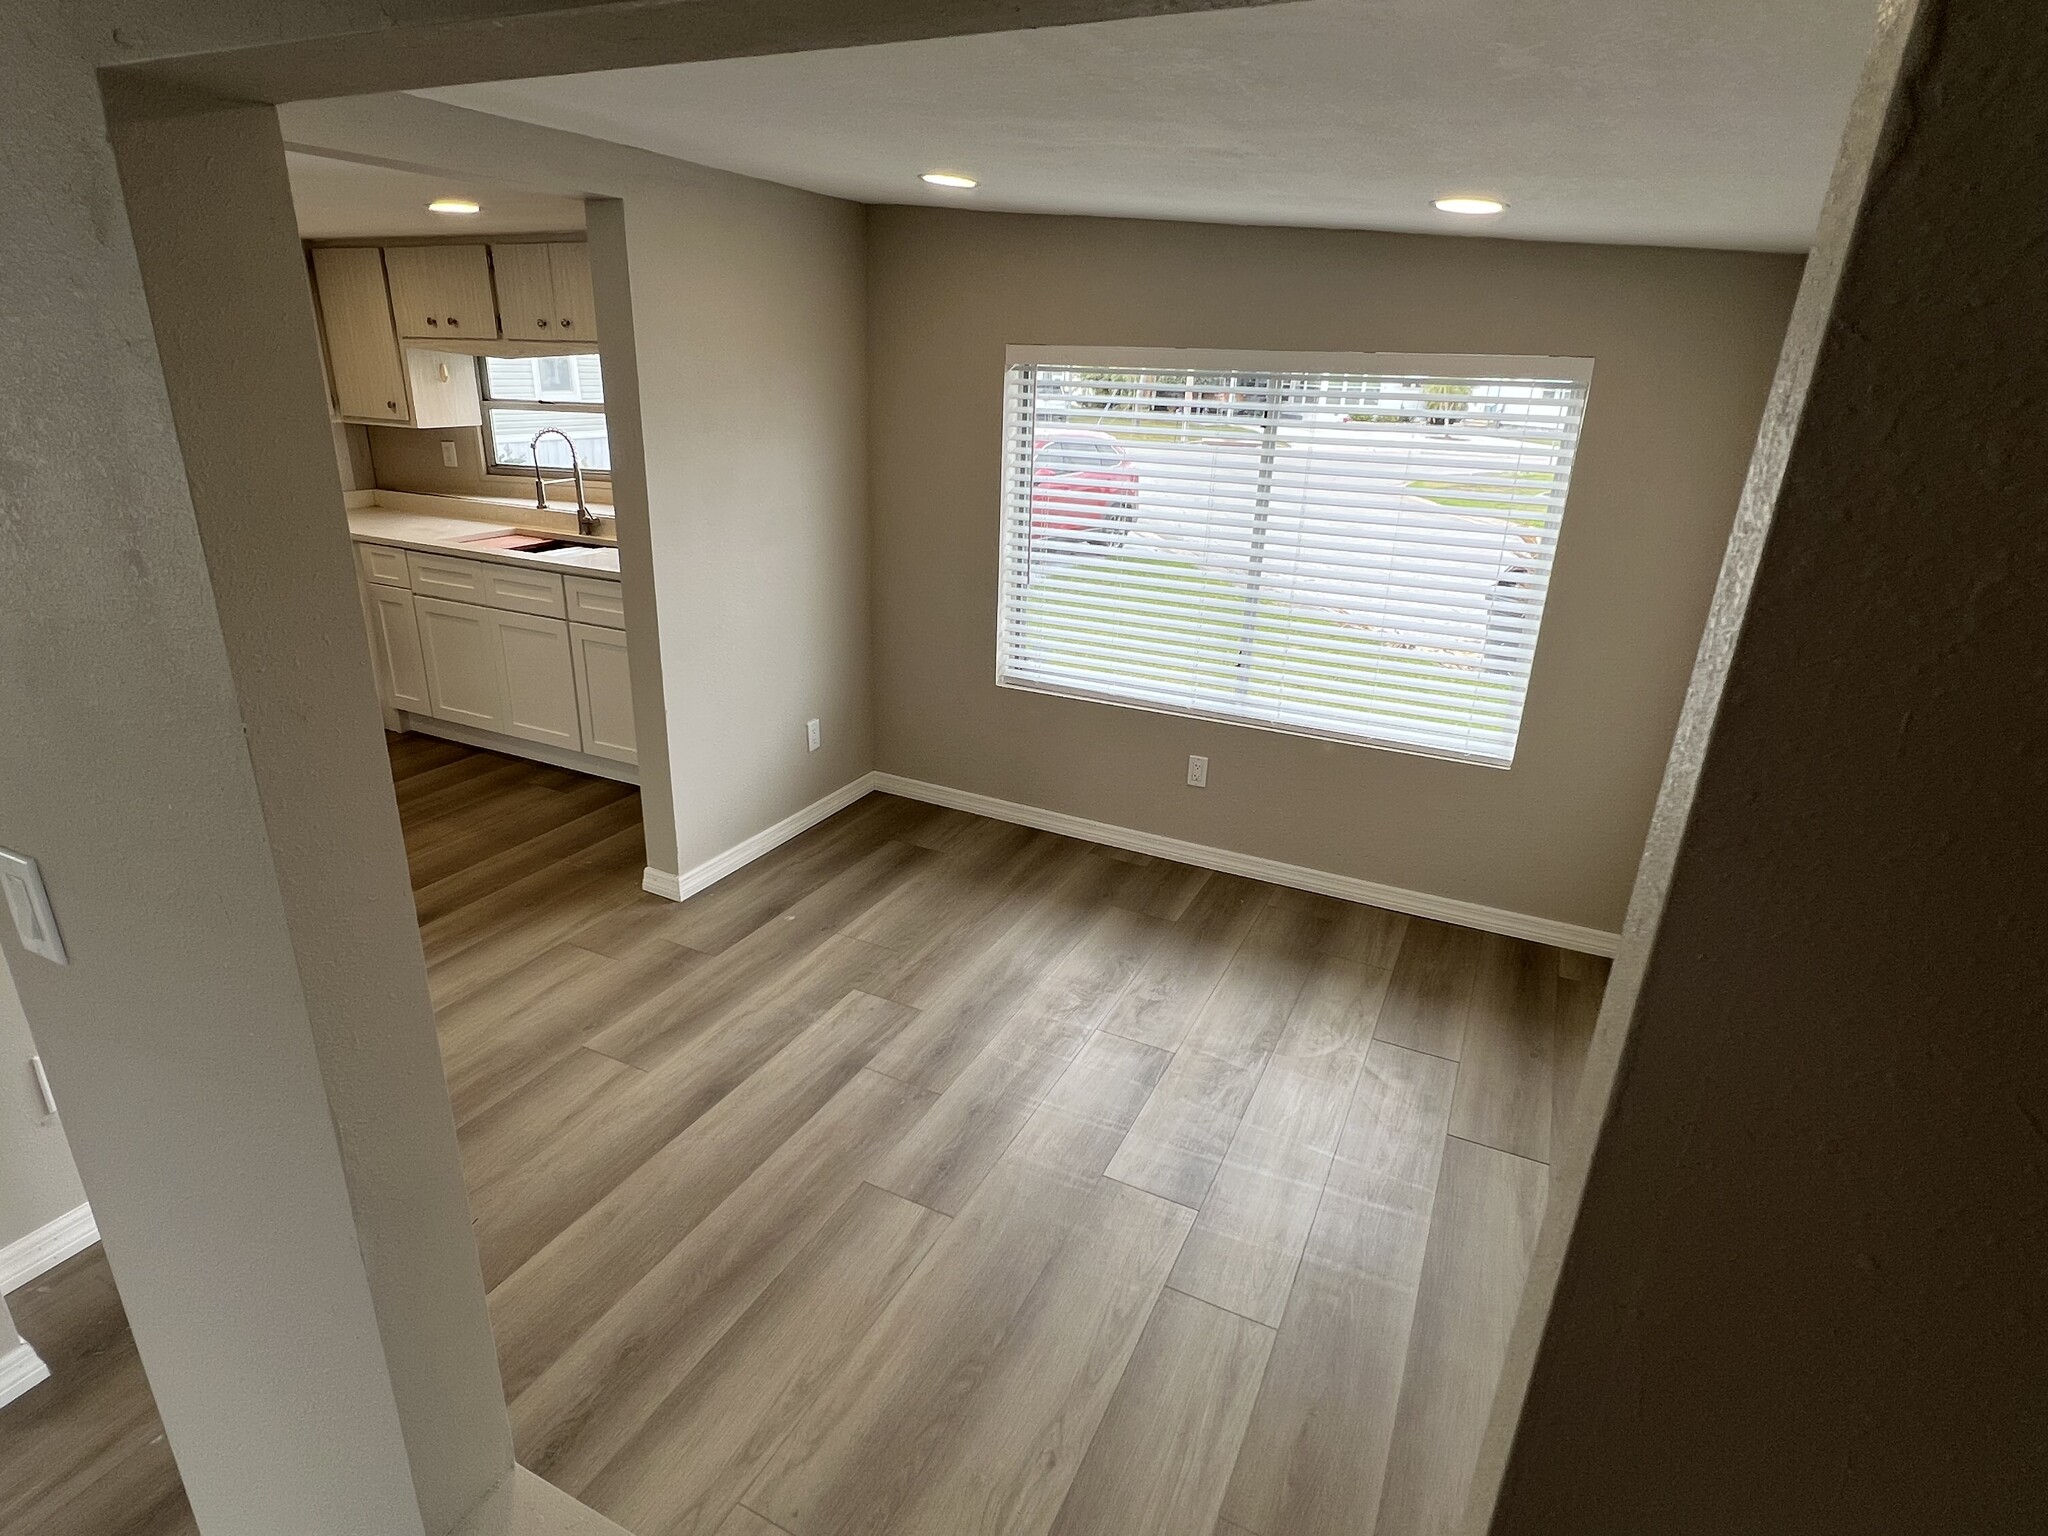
(498, 636)
(465, 375)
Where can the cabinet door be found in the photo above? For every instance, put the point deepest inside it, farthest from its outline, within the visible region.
(444, 388)
(465, 678)
(526, 292)
(442, 292)
(540, 681)
(395, 646)
(362, 350)
(575, 308)
(604, 693)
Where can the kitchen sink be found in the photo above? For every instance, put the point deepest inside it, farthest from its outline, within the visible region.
(568, 549)
(525, 541)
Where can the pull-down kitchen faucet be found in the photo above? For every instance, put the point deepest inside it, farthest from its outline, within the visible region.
(586, 520)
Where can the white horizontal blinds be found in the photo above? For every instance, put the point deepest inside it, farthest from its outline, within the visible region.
(1354, 555)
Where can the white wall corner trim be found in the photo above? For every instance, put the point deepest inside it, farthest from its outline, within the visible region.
(20, 1368)
(681, 887)
(1467, 914)
(47, 1247)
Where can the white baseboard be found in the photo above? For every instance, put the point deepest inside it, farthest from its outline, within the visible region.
(1468, 914)
(47, 1247)
(513, 746)
(687, 884)
(20, 1368)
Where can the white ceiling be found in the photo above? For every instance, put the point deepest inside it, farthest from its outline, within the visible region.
(338, 199)
(1670, 122)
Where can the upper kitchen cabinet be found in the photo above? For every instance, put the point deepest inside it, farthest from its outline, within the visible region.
(442, 292)
(544, 291)
(362, 351)
(375, 379)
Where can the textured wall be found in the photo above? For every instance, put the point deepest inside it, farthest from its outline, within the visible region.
(1798, 1284)
(1683, 343)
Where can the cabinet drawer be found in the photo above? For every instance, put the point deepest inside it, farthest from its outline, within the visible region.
(594, 602)
(482, 581)
(382, 563)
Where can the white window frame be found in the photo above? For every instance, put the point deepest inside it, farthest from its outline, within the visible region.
(492, 464)
(1017, 487)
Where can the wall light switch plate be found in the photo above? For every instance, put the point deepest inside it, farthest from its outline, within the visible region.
(1198, 772)
(35, 1065)
(448, 454)
(814, 734)
(29, 905)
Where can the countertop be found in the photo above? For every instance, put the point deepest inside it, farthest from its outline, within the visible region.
(446, 533)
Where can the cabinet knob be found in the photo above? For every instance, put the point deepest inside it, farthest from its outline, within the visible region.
(391, 405)
(541, 323)
(432, 321)
(567, 322)
(453, 321)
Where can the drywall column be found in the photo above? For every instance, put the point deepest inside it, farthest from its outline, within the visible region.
(1803, 1289)
(611, 276)
(242, 1041)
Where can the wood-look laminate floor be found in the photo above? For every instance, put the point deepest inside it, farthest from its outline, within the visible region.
(933, 1175)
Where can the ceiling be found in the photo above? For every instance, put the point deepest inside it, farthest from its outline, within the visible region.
(1669, 122)
(337, 199)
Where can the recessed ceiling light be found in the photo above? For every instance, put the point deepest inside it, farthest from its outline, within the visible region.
(454, 205)
(949, 179)
(1474, 206)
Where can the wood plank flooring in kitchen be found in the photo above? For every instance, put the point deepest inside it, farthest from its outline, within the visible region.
(934, 1175)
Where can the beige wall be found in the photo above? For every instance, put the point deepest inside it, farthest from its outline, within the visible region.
(409, 459)
(352, 456)
(38, 1182)
(1683, 342)
(755, 428)
(747, 312)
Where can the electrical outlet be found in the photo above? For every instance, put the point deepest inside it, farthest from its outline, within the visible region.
(448, 453)
(1198, 772)
(813, 734)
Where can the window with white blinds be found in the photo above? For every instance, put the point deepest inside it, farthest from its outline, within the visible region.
(1348, 546)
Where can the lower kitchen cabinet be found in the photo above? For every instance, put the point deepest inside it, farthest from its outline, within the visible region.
(604, 692)
(465, 678)
(540, 682)
(493, 664)
(395, 647)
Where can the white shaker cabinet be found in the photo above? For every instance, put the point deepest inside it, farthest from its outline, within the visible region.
(465, 680)
(604, 692)
(395, 647)
(482, 644)
(539, 680)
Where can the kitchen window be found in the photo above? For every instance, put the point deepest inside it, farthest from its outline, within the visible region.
(1349, 546)
(526, 395)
